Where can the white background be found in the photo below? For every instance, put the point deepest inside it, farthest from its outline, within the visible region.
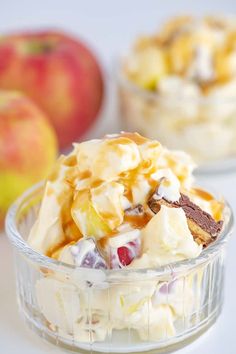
(109, 26)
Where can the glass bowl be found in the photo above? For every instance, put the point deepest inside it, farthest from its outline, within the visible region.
(204, 127)
(115, 311)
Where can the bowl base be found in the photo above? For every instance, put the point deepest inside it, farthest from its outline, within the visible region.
(116, 347)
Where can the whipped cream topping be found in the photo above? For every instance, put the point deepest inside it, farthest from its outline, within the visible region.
(202, 69)
(124, 238)
(169, 185)
(90, 195)
(166, 239)
(107, 158)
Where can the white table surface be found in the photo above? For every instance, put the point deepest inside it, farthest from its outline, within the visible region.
(109, 26)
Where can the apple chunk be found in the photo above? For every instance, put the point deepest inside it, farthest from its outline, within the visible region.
(86, 218)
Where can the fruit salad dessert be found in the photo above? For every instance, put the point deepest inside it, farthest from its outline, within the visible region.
(178, 85)
(121, 203)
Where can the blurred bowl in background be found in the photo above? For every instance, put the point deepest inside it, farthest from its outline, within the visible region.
(205, 128)
(179, 86)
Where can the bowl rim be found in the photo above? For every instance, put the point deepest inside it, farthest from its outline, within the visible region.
(24, 249)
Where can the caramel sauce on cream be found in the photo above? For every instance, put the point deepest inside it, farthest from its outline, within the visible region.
(129, 179)
(138, 221)
(217, 207)
(85, 174)
(135, 137)
(203, 194)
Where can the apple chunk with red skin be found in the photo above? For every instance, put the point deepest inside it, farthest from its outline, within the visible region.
(28, 147)
(59, 73)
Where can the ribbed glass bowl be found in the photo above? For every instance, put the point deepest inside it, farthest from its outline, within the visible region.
(203, 127)
(115, 311)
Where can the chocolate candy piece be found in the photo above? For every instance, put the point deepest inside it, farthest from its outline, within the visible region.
(137, 216)
(201, 224)
(138, 210)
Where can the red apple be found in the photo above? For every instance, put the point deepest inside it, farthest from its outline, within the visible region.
(59, 73)
(28, 146)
